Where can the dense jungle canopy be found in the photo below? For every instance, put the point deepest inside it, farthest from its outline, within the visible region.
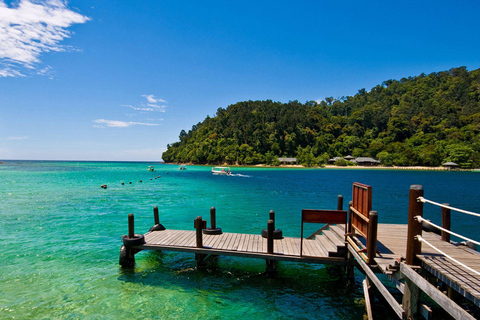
(424, 120)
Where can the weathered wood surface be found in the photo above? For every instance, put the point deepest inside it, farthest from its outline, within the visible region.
(321, 249)
(392, 247)
(459, 278)
(446, 303)
(397, 308)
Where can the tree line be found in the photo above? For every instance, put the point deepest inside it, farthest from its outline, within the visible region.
(424, 120)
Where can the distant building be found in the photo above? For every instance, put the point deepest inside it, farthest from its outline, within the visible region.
(349, 158)
(288, 160)
(365, 161)
(450, 165)
(332, 161)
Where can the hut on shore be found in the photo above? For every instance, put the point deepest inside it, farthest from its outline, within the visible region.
(332, 161)
(288, 160)
(450, 165)
(366, 161)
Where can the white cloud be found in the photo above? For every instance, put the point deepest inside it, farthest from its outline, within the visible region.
(9, 72)
(153, 104)
(47, 71)
(31, 28)
(102, 123)
(16, 138)
(151, 99)
(140, 108)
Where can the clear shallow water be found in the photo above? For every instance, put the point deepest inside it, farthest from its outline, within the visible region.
(60, 238)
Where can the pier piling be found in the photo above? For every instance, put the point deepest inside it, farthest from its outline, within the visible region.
(213, 224)
(131, 226)
(199, 225)
(446, 223)
(127, 254)
(270, 230)
(155, 215)
(372, 237)
(340, 202)
(277, 233)
(415, 208)
(157, 226)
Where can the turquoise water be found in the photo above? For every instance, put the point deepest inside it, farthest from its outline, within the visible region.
(60, 238)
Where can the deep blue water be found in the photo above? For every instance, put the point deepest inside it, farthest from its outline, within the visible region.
(60, 238)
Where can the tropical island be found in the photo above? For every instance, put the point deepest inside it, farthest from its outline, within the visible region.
(424, 120)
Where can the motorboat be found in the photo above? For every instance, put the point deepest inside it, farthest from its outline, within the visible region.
(182, 168)
(151, 168)
(221, 171)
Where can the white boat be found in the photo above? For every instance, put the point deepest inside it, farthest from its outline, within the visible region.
(182, 168)
(151, 168)
(221, 170)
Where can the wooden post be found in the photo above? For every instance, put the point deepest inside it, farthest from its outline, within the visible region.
(270, 228)
(340, 202)
(372, 236)
(155, 215)
(410, 299)
(198, 227)
(415, 208)
(350, 270)
(446, 223)
(213, 222)
(350, 230)
(131, 226)
(127, 254)
(272, 217)
(368, 306)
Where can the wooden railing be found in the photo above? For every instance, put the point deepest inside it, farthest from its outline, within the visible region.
(322, 216)
(363, 220)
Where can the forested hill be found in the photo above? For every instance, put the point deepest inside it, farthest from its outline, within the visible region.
(423, 120)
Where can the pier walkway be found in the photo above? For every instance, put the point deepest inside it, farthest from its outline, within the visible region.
(326, 248)
(391, 241)
(414, 257)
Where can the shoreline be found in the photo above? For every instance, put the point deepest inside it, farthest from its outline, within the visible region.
(299, 166)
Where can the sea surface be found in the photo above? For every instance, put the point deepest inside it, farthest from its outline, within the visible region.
(60, 236)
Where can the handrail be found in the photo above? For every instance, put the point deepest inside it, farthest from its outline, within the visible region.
(422, 199)
(421, 219)
(419, 238)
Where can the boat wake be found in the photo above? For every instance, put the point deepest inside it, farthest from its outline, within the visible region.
(239, 175)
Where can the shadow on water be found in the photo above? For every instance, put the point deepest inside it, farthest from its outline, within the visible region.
(297, 290)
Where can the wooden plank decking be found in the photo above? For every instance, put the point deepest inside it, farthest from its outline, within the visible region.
(328, 248)
(392, 248)
(319, 250)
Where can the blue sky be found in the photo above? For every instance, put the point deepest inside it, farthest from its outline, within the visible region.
(119, 80)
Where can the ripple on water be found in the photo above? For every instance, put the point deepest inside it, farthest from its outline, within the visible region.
(60, 239)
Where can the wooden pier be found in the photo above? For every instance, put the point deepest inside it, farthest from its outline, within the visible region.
(350, 238)
(321, 250)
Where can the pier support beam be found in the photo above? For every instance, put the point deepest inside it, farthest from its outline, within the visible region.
(270, 228)
(340, 202)
(446, 223)
(372, 237)
(410, 299)
(199, 225)
(415, 208)
(127, 254)
(127, 257)
(157, 226)
(213, 224)
(350, 270)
